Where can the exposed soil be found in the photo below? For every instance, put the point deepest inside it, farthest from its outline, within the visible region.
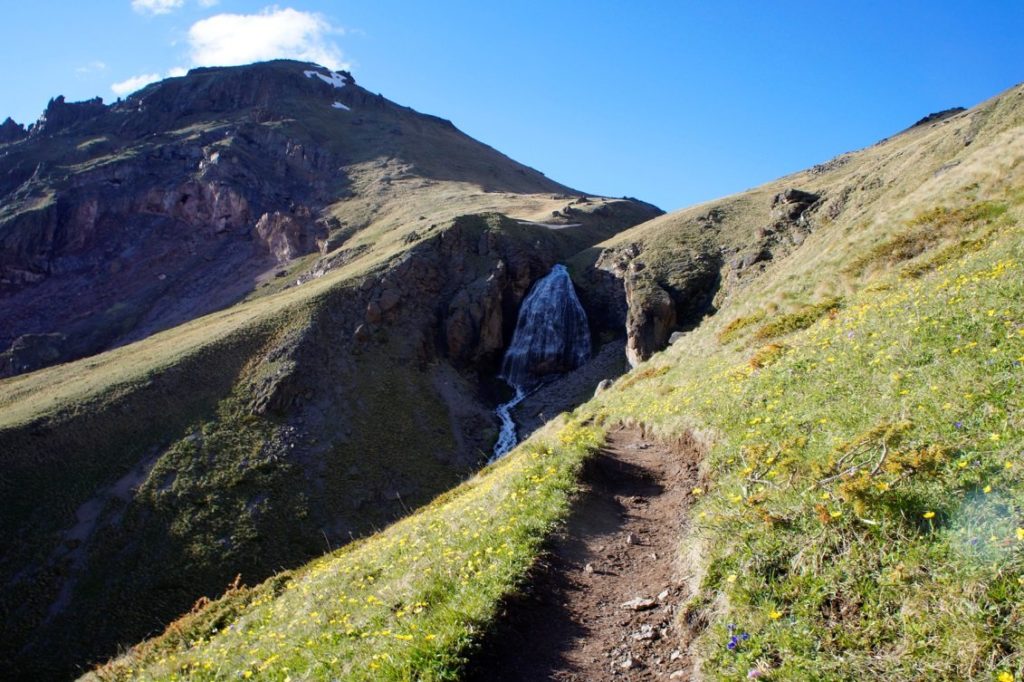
(620, 545)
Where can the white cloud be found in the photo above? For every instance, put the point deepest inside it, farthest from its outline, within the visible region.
(156, 6)
(92, 67)
(209, 3)
(233, 39)
(134, 83)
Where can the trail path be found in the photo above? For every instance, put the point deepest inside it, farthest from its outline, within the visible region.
(620, 545)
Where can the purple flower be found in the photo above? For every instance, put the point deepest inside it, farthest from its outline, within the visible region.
(958, 425)
(733, 643)
(745, 636)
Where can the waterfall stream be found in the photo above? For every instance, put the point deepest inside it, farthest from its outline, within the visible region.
(551, 337)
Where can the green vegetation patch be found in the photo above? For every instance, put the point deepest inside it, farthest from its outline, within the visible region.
(803, 318)
(926, 231)
(738, 324)
(403, 604)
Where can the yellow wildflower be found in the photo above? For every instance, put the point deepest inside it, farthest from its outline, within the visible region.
(929, 514)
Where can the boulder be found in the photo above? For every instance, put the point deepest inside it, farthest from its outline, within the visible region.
(284, 235)
(389, 300)
(790, 204)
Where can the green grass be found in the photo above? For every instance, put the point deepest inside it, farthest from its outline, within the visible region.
(737, 325)
(926, 230)
(861, 512)
(404, 604)
(780, 325)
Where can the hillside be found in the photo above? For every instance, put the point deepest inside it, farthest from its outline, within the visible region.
(849, 376)
(288, 315)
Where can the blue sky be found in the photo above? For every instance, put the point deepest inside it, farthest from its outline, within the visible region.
(671, 102)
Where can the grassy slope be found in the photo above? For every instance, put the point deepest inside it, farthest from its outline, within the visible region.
(860, 514)
(68, 432)
(403, 604)
(862, 511)
(864, 484)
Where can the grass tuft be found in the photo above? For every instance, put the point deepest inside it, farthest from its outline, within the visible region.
(800, 319)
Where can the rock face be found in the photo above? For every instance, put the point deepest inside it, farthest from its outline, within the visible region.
(11, 131)
(790, 224)
(791, 204)
(651, 319)
(656, 306)
(479, 319)
(288, 236)
(60, 114)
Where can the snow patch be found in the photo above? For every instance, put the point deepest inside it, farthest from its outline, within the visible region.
(339, 105)
(335, 79)
(550, 226)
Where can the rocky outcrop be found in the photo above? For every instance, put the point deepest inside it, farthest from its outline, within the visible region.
(791, 204)
(790, 224)
(650, 313)
(11, 131)
(675, 293)
(288, 236)
(60, 114)
(474, 319)
(32, 351)
(651, 319)
(200, 205)
(938, 116)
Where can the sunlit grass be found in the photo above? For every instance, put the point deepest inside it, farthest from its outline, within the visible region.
(861, 516)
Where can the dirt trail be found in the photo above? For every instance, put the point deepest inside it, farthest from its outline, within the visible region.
(620, 545)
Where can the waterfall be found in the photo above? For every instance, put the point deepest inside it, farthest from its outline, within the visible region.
(551, 337)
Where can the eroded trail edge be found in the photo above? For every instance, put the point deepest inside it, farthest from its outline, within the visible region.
(602, 604)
